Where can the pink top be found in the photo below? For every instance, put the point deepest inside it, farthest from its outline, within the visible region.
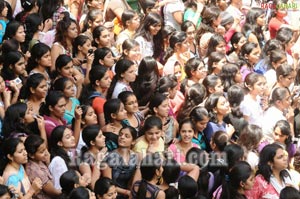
(51, 123)
(262, 189)
(178, 154)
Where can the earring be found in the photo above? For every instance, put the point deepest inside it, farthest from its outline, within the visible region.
(159, 180)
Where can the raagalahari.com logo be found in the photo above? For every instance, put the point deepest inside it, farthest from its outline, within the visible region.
(279, 6)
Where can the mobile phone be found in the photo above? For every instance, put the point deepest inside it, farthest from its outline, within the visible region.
(90, 51)
(17, 81)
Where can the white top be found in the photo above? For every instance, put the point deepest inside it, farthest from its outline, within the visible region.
(146, 47)
(251, 108)
(253, 159)
(271, 78)
(57, 167)
(171, 8)
(120, 86)
(271, 116)
(235, 12)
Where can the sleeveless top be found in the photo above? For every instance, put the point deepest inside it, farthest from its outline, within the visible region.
(150, 188)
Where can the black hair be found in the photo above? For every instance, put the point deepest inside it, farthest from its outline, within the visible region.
(100, 54)
(79, 193)
(266, 156)
(151, 122)
(89, 133)
(32, 143)
(289, 193)
(111, 106)
(37, 52)
(11, 58)
(148, 167)
(56, 150)
(32, 23)
(33, 81)
(187, 187)
(8, 147)
(102, 186)
(68, 180)
(80, 40)
(51, 100)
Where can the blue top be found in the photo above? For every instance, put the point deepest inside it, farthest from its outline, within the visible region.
(212, 127)
(15, 179)
(2, 31)
(69, 115)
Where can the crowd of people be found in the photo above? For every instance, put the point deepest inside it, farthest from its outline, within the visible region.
(107, 99)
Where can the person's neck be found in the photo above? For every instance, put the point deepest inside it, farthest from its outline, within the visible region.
(130, 30)
(69, 45)
(194, 79)
(123, 151)
(55, 117)
(153, 181)
(241, 191)
(35, 99)
(185, 145)
(124, 81)
(80, 56)
(276, 174)
(15, 165)
(220, 118)
(94, 150)
(130, 115)
(40, 68)
(253, 96)
(116, 123)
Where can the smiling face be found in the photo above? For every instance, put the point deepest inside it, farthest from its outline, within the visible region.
(154, 29)
(186, 133)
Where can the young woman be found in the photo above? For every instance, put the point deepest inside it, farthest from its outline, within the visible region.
(104, 56)
(14, 67)
(193, 12)
(131, 50)
(84, 54)
(151, 139)
(36, 167)
(251, 106)
(277, 57)
(88, 117)
(237, 40)
(241, 179)
(186, 133)
(66, 32)
(19, 122)
(285, 75)
(54, 110)
(272, 174)
(131, 22)
(105, 188)
(253, 27)
(15, 30)
(249, 139)
(200, 119)
(101, 37)
(40, 61)
(195, 73)
(125, 74)
(217, 107)
(151, 175)
(13, 171)
(94, 93)
(190, 30)
(61, 142)
(250, 54)
(230, 75)
(159, 106)
(210, 21)
(34, 92)
(215, 63)
(3, 19)
(216, 43)
(194, 96)
(92, 153)
(149, 35)
(146, 80)
(177, 56)
(213, 84)
(283, 135)
(115, 115)
(66, 86)
(279, 109)
(135, 118)
(123, 172)
(93, 19)
(64, 68)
